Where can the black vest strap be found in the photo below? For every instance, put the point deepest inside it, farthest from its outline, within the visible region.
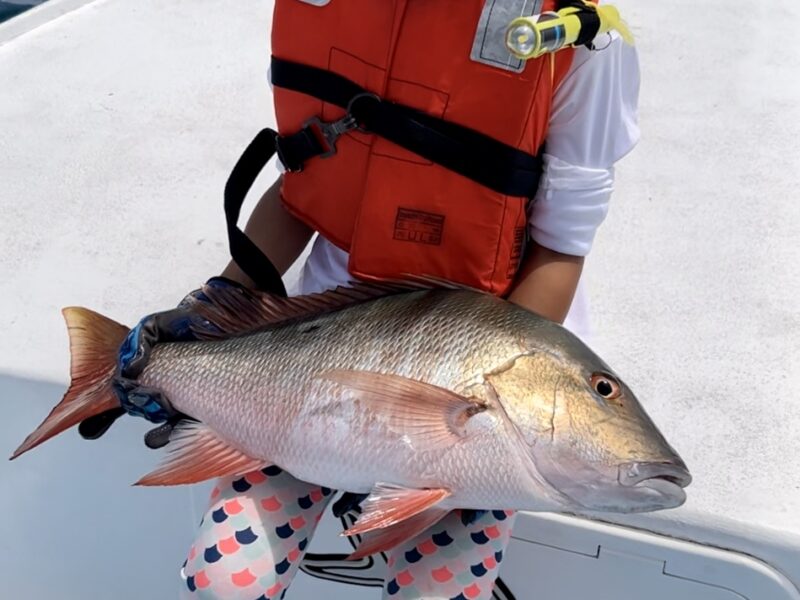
(246, 254)
(469, 153)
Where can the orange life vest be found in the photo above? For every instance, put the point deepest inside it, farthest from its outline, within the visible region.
(395, 212)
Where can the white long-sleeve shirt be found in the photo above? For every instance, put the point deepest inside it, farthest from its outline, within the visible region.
(592, 125)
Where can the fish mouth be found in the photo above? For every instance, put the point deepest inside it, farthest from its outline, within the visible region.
(666, 479)
(637, 473)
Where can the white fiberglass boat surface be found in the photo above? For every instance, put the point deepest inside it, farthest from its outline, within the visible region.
(119, 122)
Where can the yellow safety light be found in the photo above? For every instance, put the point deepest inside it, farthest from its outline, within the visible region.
(531, 37)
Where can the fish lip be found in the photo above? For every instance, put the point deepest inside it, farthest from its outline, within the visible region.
(661, 476)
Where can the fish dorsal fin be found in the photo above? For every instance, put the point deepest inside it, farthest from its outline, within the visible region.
(390, 504)
(382, 540)
(429, 416)
(196, 454)
(232, 311)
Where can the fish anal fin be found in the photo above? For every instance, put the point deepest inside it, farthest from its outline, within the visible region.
(389, 504)
(197, 454)
(382, 540)
(431, 417)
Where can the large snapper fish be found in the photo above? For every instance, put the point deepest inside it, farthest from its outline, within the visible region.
(427, 399)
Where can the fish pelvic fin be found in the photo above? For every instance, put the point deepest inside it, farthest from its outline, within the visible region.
(94, 342)
(196, 454)
(390, 504)
(382, 540)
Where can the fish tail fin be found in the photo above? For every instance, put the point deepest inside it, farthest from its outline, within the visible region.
(94, 342)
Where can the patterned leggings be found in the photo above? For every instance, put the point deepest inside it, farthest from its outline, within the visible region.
(253, 538)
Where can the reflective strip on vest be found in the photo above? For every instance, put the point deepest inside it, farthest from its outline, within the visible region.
(489, 46)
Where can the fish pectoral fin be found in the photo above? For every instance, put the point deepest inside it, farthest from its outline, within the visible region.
(196, 454)
(429, 416)
(390, 504)
(383, 540)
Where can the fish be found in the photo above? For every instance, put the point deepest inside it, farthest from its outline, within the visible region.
(426, 398)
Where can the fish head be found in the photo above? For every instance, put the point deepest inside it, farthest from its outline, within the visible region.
(587, 435)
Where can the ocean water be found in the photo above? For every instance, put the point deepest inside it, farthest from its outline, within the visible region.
(13, 7)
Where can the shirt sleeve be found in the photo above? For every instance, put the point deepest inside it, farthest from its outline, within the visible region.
(593, 124)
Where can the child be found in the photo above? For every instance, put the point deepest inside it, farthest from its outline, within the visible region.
(435, 219)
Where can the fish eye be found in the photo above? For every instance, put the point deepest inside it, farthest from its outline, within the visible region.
(606, 386)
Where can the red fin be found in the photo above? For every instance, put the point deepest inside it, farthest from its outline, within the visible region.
(432, 417)
(385, 539)
(389, 504)
(432, 281)
(236, 311)
(94, 343)
(197, 454)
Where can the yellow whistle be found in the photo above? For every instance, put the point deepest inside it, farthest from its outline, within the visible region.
(532, 37)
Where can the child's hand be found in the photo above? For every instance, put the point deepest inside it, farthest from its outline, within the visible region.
(174, 325)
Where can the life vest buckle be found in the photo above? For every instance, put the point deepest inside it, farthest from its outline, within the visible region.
(332, 131)
(354, 110)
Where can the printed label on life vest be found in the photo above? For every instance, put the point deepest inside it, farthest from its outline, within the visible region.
(418, 226)
(489, 46)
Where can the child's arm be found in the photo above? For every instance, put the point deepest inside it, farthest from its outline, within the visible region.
(277, 233)
(546, 282)
(593, 124)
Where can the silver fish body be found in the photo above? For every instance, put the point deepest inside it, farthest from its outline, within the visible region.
(541, 438)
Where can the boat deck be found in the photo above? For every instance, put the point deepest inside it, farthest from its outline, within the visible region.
(120, 122)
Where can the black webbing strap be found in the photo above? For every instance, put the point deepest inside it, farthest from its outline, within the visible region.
(293, 151)
(319, 83)
(243, 251)
(469, 153)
